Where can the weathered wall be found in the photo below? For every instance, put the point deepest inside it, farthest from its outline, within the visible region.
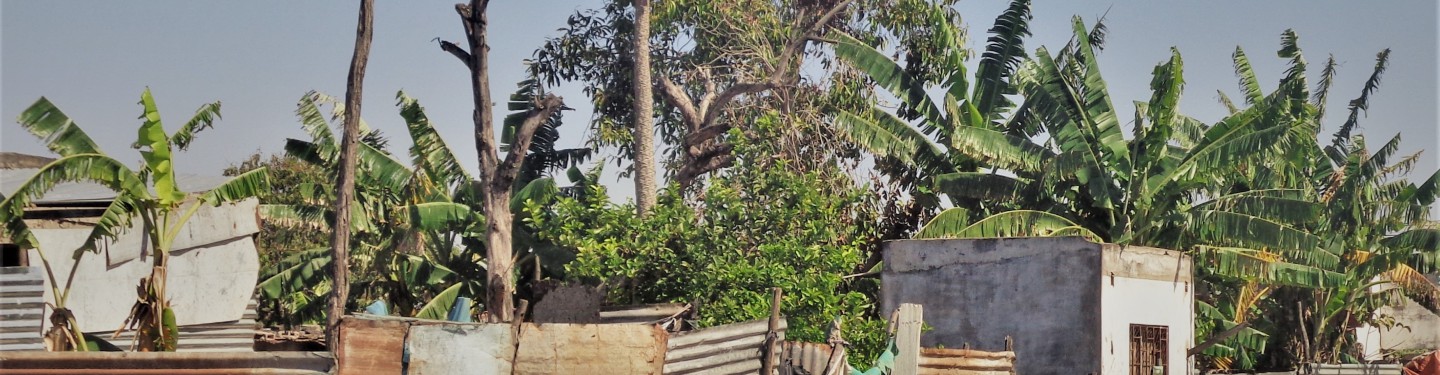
(460, 349)
(209, 283)
(1148, 286)
(1044, 292)
(1422, 329)
(382, 345)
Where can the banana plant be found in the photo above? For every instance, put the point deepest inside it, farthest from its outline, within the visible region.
(419, 236)
(151, 194)
(952, 135)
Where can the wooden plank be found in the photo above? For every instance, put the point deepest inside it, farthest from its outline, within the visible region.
(461, 349)
(590, 349)
(370, 346)
(907, 339)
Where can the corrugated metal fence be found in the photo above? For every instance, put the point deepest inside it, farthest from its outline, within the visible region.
(811, 358)
(729, 349)
(22, 308)
(232, 336)
(273, 363)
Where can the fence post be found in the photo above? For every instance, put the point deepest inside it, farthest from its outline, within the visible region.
(772, 337)
(907, 339)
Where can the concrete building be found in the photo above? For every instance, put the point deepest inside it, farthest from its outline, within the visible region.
(212, 274)
(1070, 305)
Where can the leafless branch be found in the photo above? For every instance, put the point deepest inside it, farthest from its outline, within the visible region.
(457, 51)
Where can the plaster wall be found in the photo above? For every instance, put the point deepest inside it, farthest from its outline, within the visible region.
(1043, 292)
(1420, 330)
(1149, 286)
(206, 283)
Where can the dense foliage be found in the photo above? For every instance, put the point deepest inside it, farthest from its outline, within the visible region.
(759, 226)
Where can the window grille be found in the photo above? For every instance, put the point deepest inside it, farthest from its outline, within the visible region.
(1149, 346)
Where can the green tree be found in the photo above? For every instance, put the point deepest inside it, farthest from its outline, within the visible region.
(163, 210)
(762, 226)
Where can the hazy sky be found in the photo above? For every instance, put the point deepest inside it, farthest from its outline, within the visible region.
(93, 59)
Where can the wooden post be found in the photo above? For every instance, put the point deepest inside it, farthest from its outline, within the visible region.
(907, 339)
(771, 338)
(345, 183)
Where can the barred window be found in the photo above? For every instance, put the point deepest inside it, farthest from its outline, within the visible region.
(1149, 346)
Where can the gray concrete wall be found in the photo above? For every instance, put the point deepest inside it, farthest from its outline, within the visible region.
(1043, 292)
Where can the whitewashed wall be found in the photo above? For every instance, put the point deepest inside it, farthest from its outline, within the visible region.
(1139, 301)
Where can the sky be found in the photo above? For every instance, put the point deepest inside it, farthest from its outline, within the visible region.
(258, 58)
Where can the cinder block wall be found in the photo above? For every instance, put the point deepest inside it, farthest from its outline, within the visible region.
(1043, 292)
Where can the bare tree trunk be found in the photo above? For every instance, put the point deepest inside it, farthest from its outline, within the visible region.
(345, 191)
(500, 284)
(645, 189)
(496, 175)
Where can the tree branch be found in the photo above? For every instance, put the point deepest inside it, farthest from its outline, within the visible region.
(457, 51)
(544, 108)
(723, 100)
(797, 43)
(676, 96)
(782, 72)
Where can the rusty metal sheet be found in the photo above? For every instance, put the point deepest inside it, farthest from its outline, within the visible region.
(371, 346)
(727, 349)
(461, 349)
(809, 358)
(590, 349)
(296, 363)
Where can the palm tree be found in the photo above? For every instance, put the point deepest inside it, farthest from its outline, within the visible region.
(163, 210)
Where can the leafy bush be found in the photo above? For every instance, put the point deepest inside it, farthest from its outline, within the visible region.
(758, 225)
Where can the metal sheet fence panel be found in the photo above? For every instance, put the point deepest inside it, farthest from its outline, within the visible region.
(22, 308)
(590, 349)
(728, 349)
(371, 346)
(806, 357)
(461, 349)
(166, 363)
